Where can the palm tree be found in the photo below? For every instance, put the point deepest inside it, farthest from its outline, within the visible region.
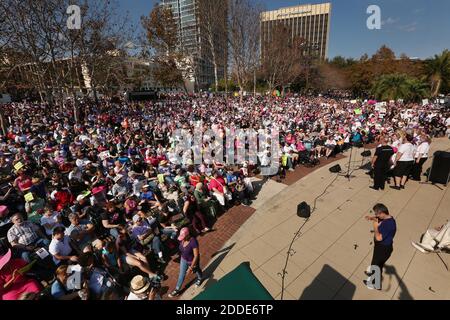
(438, 70)
(419, 89)
(392, 87)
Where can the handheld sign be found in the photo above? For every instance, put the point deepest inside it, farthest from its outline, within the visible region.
(104, 155)
(29, 197)
(19, 165)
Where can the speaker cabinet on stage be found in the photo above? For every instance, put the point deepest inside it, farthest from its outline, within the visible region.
(335, 169)
(440, 169)
(304, 210)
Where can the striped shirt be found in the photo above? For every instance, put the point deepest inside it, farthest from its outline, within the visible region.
(25, 234)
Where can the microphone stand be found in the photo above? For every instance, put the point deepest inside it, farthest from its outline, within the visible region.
(348, 175)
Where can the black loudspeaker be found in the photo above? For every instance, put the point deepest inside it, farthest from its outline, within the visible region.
(366, 154)
(304, 210)
(440, 169)
(367, 166)
(336, 169)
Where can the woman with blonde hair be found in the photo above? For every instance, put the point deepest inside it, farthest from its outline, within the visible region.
(404, 162)
(421, 156)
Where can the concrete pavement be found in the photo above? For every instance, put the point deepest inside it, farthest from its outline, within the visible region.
(328, 259)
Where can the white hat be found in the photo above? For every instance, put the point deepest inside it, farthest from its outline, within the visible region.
(132, 173)
(139, 284)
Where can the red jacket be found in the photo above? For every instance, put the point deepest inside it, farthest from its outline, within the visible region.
(63, 199)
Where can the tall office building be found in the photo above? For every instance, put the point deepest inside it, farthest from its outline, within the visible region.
(192, 40)
(310, 22)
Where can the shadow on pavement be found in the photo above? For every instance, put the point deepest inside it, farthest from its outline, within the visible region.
(208, 273)
(318, 290)
(404, 292)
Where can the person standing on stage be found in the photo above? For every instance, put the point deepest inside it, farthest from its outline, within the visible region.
(421, 156)
(404, 163)
(385, 228)
(380, 164)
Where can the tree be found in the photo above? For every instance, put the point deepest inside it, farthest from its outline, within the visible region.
(281, 57)
(244, 30)
(438, 71)
(172, 65)
(419, 89)
(391, 87)
(213, 15)
(384, 54)
(331, 77)
(399, 86)
(25, 34)
(364, 57)
(341, 62)
(53, 58)
(229, 84)
(102, 42)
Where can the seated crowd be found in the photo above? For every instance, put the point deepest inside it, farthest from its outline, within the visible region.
(108, 199)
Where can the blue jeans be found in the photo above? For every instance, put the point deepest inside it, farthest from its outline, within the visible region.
(153, 185)
(156, 245)
(184, 265)
(169, 180)
(289, 163)
(26, 255)
(114, 233)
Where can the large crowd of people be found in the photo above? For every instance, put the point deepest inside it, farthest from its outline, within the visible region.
(108, 196)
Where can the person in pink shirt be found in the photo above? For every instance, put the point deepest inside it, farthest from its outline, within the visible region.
(290, 139)
(23, 182)
(13, 284)
(300, 146)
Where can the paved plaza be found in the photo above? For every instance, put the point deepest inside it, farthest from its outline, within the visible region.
(329, 258)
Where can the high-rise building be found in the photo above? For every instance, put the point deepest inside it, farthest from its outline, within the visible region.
(193, 41)
(311, 22)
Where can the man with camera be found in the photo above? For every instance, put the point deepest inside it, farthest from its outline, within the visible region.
(143, 288)
(385, 228)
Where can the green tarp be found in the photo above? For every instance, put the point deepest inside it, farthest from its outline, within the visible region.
(239, 284)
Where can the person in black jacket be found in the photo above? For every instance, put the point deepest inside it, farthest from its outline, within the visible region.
(380, 164)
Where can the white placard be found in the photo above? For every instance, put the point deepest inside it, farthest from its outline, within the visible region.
(42, 253)
(104, 155)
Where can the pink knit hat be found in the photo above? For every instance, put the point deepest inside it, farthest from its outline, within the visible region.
(5, 259)
(3, 211)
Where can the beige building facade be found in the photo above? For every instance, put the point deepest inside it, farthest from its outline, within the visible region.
(310, 22)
